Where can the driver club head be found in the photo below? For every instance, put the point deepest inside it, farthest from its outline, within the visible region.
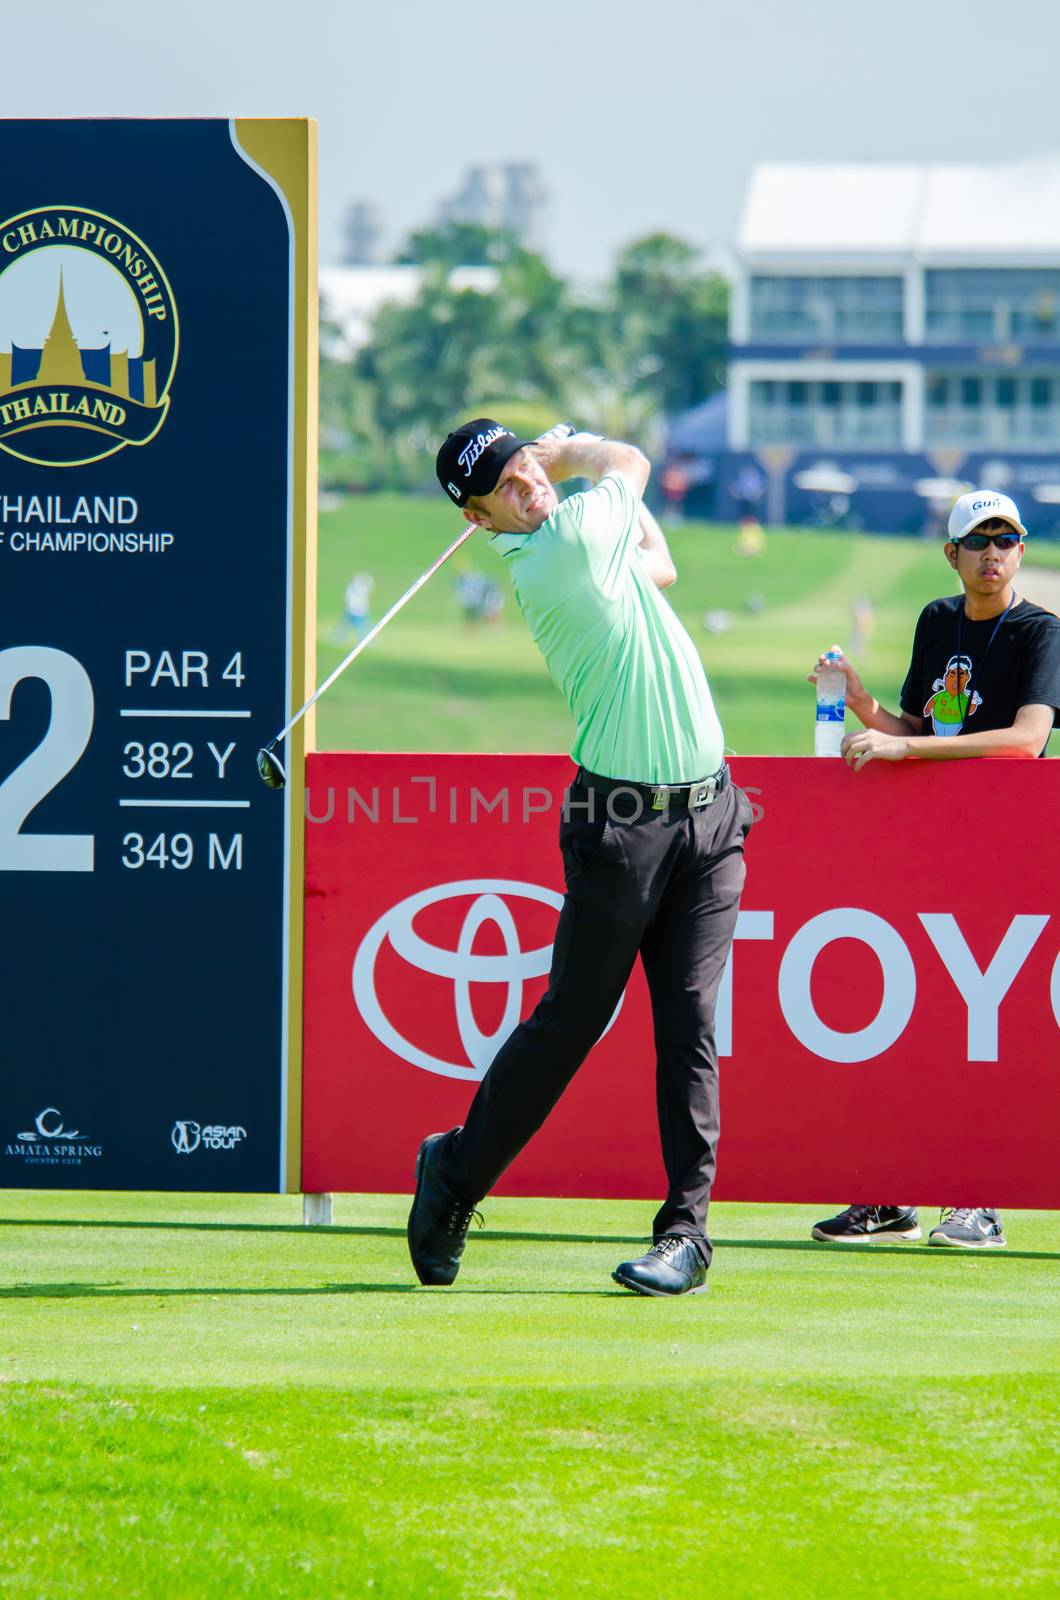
(270, 768)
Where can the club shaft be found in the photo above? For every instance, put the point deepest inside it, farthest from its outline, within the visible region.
(362, 644)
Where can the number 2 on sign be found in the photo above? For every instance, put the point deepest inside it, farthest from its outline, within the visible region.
(63, 745)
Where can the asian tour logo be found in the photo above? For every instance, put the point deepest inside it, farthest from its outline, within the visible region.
(490, 901)
(187, 1137)
(88, 337)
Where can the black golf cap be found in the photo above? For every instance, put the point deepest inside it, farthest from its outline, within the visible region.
(470, 461)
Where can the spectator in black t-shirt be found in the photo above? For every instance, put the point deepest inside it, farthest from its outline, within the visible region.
(984, 680)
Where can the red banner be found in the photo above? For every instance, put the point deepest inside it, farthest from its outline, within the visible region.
(889, 1028)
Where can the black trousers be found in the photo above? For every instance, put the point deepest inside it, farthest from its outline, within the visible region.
(665, 884)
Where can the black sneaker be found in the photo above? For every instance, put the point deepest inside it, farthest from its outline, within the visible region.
(438, 1221)
(969, 1228)
(863, 1224)
(673, 1265)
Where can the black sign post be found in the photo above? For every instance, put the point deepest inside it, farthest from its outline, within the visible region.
(157, 500)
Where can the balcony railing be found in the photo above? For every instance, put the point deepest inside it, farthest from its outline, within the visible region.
(988, 325)
(1016, 428)
(793, 327)
(880, 428)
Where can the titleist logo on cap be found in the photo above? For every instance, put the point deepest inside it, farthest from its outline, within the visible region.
(474, 448)
(472, 458)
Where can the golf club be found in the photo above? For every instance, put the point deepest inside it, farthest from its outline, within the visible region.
(271, 769)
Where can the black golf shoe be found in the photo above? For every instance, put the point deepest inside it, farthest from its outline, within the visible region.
(438, 1221)
(865, 1224)
(969, 1228)
(673, 1265)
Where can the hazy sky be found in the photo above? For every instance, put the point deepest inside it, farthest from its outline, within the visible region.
(638, 116)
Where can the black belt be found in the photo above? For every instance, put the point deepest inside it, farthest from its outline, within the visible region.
(660, 796)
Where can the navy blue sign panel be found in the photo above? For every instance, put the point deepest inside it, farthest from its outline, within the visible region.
(152, 535)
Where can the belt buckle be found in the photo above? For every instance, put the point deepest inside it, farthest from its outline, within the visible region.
(660, 799)
(703, 795)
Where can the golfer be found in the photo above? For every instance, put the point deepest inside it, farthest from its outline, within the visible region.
(985, 679)
(652, 838)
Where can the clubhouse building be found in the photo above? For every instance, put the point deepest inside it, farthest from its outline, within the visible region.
(894, 335)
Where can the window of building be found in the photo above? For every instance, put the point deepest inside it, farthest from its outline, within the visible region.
(987, 305)
(1038, 319)
(1007, 410)
(829, 412)
(828, 310)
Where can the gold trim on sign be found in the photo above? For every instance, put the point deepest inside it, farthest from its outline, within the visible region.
(287, 150)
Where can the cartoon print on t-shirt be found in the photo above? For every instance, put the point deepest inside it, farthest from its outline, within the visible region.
(950, 704)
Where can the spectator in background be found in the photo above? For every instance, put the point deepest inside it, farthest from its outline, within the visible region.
(751, 539)
(492, 602)
(862, 625)
(985, 670)
(356, 608)
(748, 490)
(675, 484)
(470, 588)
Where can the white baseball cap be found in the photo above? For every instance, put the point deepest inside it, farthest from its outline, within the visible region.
(982, 505)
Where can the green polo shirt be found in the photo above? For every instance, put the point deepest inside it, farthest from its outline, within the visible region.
(618, 654)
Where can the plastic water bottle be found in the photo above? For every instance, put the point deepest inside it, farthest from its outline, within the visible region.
(831, 706)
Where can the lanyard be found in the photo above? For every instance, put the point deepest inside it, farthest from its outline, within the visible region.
(979, 665)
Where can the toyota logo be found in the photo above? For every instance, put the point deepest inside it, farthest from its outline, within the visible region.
(489, 904)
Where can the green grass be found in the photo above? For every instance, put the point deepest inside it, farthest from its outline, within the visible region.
(1044, 552)
(430, 684)
(198, 1398)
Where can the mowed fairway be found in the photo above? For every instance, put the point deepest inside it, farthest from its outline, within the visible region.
(430, 683)
(198, 1398)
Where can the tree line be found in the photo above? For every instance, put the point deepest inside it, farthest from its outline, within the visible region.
(648, 342)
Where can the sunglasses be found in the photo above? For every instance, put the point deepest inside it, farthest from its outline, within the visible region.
(979, 541)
